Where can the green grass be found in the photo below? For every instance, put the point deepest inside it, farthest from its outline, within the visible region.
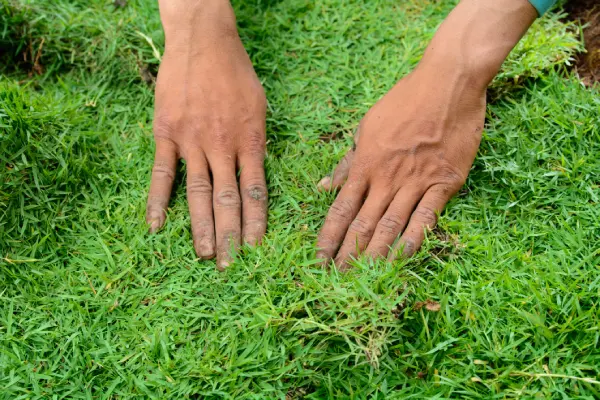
(91, 306)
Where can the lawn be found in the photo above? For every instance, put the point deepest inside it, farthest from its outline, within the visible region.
(503, 301)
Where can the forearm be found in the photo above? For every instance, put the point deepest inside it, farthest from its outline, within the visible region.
(476, 38)
(187, 22)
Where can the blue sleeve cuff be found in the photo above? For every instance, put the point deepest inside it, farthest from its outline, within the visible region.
(542, 5)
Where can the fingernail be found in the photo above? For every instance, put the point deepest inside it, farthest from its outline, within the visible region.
(223, 264)
(154, 225)
(251, 240)
(344, 267)
(205, 249)
(409, 248)
(323, 260)
(325, 181)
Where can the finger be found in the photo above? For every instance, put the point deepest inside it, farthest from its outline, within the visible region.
(393, 222)
(424, 217)
(161, 184)
(363, 226)
(341, 213)
(339, 176)
(227, 208)
(199, 193)
(253, 189)
(360, 231)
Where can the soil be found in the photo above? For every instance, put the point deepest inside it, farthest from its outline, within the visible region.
(587, 12)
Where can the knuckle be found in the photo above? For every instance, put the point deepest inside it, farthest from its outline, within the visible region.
(163, 170)
(221, 139)
(156, 201)
(256, 192)
(228, 197)
(199, 186)
(425, 215)
(202, 227)
(443, 191)
(453, 177)
(390, 173)
(164, 126)
(221, 134)
(391, 224)
(341, 210)
(255, 225)
(325, 242)
(254, 143)
(361, 227)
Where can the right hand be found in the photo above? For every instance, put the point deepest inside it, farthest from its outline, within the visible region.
(210, 111)
(415, 150)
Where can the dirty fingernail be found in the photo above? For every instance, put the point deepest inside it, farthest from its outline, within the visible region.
(344, 267)
(409, 248)
(222, 265)
(323, 259)
(205, 249)
(251, 240)
(154, 225)
(325, 181)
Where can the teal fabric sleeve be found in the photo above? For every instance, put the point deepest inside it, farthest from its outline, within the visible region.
(542, 5)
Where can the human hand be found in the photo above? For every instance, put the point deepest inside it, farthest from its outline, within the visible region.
(210, 111)
(417, 144)
(414, 150)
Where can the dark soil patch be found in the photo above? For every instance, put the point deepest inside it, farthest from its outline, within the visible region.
(587, 12)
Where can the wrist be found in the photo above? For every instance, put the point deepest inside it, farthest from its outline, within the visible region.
(476, 38)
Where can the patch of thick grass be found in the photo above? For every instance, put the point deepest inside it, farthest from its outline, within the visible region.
(50, 162)
(92, 306)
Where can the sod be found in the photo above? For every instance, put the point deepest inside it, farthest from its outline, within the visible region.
(502, 301)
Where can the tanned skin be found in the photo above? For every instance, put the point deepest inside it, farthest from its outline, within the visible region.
(414, 148)
(210, 110)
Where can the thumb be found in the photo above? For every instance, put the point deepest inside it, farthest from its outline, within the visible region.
(340, 174)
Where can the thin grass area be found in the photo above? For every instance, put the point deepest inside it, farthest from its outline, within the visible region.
(502, 301)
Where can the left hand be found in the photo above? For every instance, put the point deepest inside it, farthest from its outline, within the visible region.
(415, 150)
